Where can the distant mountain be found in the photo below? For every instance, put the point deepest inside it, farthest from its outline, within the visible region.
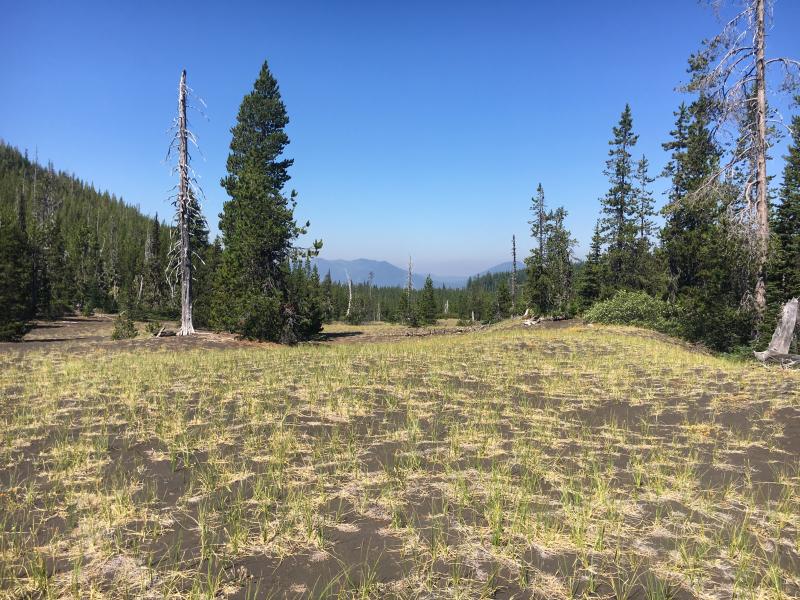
(386, 274)
(502, 268)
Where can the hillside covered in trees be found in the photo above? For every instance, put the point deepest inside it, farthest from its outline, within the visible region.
(87, 249)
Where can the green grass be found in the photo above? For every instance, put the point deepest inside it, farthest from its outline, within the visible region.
(557, 462)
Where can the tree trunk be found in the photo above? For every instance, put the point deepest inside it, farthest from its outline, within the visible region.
(513, 274)
(187, 328)
(784, 332)
(762, 208)
(349, 294)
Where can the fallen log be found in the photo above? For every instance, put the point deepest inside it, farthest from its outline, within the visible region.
(784, 333)
(785, 360)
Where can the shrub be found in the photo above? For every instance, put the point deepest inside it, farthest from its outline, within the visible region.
(153, 327)
(13, 331)
(631, 308)
(124, 328)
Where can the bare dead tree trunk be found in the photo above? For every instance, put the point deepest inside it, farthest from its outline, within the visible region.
(782, 338)
(762, 207)
(187, 328)
(349, 293)
(409, 290)
(513, 273)
(737, 82)
(409, 281)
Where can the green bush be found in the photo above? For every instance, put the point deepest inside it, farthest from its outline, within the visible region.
(124, 328)
(153, 327)
(631, 308)
(13, 331)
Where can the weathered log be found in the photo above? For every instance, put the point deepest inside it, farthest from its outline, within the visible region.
(786, 360)
(784, 332)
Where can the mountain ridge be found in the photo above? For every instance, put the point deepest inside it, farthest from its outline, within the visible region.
(386, 274)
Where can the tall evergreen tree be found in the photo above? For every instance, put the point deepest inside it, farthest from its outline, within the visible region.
(645, 210)
(558, 263)
(428, 311)
(252, 292)
(503, 300)
(153, 267)
(706, 261)
(15, 280)
(619, 206)
(537, 287)
(647, 275)
(593, 274)
(785, 271)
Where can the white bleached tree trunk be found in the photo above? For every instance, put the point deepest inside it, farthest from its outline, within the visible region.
(185, 252)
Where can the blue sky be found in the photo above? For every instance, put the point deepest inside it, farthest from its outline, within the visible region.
(417, 128)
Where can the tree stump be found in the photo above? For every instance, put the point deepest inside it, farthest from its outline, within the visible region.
(784, 332)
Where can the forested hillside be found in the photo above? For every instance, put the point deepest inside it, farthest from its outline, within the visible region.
(88, 248)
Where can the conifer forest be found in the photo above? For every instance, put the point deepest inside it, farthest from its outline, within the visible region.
(205, 404)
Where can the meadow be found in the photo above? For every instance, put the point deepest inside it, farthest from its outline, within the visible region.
(558, 461)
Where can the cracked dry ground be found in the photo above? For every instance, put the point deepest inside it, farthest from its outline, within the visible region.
(508, 463)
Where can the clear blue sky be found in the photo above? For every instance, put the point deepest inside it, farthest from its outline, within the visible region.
(417, 128)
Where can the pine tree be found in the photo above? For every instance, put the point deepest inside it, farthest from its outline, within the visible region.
(558, 263)
(252, 292)
(536, 288)
(153, 267)
(619, 206)
(428, 311)
(503, 300)
(677, 145)
(689, 216)
(785, 272)
(644, 200)
(593, 275)
(328, 306)
(706, 261)
(15, 280)
(647, 275)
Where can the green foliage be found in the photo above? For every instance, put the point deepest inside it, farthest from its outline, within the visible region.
(549, 281)
(593, 275)
(86, 247)
(503, 300)
(784, 280)
(630, 308)
(428, 311)
(257, 294)
(16, 272)
(709, 267)
(619, 207)
(124, 327)
(153, 327)
(205, 266)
